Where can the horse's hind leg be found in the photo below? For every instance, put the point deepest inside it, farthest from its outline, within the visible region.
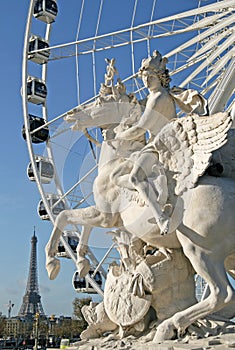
(228, 312)
(230, 265)
(221, 295)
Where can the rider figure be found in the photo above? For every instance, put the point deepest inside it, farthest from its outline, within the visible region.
(160, 108)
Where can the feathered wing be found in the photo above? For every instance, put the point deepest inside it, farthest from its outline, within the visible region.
(185, 146)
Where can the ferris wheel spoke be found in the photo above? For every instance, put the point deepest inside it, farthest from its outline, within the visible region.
(210, 59)
(219, 65)
(143, 33)
(201, 36)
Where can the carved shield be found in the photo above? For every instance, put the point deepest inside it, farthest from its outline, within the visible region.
(121, 305)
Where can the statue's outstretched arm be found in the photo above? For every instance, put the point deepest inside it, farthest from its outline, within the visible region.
(132, 133)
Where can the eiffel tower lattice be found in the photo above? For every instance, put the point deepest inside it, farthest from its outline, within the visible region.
(32, 300)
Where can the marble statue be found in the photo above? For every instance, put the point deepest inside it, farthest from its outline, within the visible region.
(160, 192)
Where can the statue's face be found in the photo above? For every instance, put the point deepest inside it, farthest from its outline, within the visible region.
(150, 80)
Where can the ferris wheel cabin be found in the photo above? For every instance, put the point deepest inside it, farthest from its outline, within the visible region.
(81, 285)
(37, 43)
(35, 123)
(45, 170)
(72, 242)
(56, 206)
(45, 10)
(36, 90)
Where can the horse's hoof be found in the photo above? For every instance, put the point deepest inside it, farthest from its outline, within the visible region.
(53, 268)
(164, 332)
(83, 267)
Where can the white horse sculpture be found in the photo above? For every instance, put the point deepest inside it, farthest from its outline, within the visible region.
(206, 229)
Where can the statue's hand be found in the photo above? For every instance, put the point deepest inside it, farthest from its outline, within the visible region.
(131, 133)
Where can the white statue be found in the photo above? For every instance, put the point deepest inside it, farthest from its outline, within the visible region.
(160, 103)
(203, 218)
(111, 71)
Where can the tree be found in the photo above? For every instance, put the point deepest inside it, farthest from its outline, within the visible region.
(79, 322)
(2, 326)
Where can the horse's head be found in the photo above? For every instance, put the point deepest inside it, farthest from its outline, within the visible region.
(99, 113)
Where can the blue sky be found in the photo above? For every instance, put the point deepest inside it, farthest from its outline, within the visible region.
(19, 197)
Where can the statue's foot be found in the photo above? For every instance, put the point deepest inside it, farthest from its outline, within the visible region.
(83, 266)
(163, 222)
(53, 267)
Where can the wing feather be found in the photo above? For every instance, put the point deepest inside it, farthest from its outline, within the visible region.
(185, 146)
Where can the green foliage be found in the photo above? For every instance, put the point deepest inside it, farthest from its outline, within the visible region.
(43, 328)
(79, 321)
(64, 329)
(2, 326)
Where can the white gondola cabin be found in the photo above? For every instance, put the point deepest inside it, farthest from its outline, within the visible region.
(45, 170)
(35, 123)
(36, 90)
(81, 285)
(45, 10)
(56, 206)
(37, 43)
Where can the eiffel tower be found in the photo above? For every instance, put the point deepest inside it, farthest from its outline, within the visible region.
(32, 300)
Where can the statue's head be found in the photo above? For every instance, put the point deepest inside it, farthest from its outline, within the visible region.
(156, 64)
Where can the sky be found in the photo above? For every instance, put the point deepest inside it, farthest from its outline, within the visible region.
(19, 197)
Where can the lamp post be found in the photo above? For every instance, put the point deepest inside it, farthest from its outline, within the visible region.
(52, 321)
(36, 330)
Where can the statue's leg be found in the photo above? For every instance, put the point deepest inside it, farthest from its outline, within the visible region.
(52, 263)
(120, 176)
(139, 179)
(83, 264)
(211, 269)
(87, 217)
(230, 265)
(150, 197)
(228, 312)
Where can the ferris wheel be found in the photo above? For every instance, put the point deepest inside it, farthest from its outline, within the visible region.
(65, 47)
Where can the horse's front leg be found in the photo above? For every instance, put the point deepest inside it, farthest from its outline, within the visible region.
(52, 263)
(83, 264)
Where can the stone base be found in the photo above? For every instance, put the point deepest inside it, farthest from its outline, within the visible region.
(219, 342)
